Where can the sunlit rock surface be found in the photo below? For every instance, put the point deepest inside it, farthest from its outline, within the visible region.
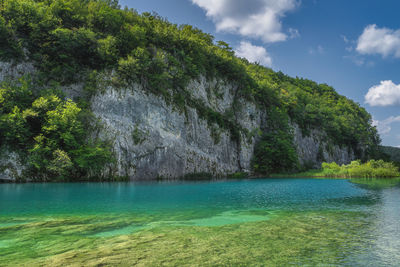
(153, 139)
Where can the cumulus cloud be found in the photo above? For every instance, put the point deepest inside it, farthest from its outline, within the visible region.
(381, 41)
(385, 94)
(259, 19)
(254, 53)
(384, 127)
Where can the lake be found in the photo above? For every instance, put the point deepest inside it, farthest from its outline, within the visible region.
(241, 222)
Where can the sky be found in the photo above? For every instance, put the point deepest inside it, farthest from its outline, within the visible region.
(353, 46)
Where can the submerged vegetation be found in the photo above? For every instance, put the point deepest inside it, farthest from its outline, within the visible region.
(72, 41)
(307, 238)
(268, 222)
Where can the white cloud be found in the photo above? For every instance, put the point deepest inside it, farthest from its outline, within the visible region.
(360, 61)
(254, 53)
(345, 38)
(348, 42)
(318, 50)
(293, 33)
(384, 127)
(259, 19)
(385, 94)
(382, 41)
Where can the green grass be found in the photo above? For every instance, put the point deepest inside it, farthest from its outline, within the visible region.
(305, 174)
(356, 169)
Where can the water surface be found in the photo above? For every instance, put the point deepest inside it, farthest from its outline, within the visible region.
(264, 221)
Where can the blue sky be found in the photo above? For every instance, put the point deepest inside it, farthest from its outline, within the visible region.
(353, 46)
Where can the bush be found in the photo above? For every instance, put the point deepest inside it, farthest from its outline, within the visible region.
(10, 47)
(275, 153)
(356, 169)
(51, 133)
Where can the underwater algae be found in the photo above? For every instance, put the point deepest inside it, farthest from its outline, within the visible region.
(263, 222)
(287, 238)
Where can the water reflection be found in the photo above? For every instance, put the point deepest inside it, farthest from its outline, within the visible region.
(383, 237)
(376, 184)
(386, 234)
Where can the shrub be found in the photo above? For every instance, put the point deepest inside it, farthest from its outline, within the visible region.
(52, 134)
(356, 169)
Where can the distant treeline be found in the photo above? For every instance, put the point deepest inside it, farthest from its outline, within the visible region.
(391, 154)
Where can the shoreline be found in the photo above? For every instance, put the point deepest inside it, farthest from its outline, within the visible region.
(212, 179)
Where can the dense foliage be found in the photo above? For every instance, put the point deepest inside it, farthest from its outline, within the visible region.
(70, 40)
(313, 105)
(52, 130)
(391, 153)
(275, 151)
(356, 169)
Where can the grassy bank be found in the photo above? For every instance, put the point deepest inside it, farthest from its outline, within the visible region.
(356, 169)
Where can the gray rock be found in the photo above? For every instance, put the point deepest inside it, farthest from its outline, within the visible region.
(152, 139)
(172, 144)
(312, 150)
(13, 71)
(11, 167)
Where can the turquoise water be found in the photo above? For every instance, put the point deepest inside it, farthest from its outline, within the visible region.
(110, 210)
(271, 194)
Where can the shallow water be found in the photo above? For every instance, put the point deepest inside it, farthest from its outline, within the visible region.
(264, 221)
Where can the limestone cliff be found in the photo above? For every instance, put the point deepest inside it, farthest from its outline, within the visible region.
(312, 150)
(152, 139)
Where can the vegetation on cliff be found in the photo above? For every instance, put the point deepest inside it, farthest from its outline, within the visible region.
(52, 130)
(75, 40)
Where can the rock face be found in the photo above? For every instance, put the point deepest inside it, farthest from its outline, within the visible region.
(9, 70)
(11, 166)
(312, 150)
(152, 139)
